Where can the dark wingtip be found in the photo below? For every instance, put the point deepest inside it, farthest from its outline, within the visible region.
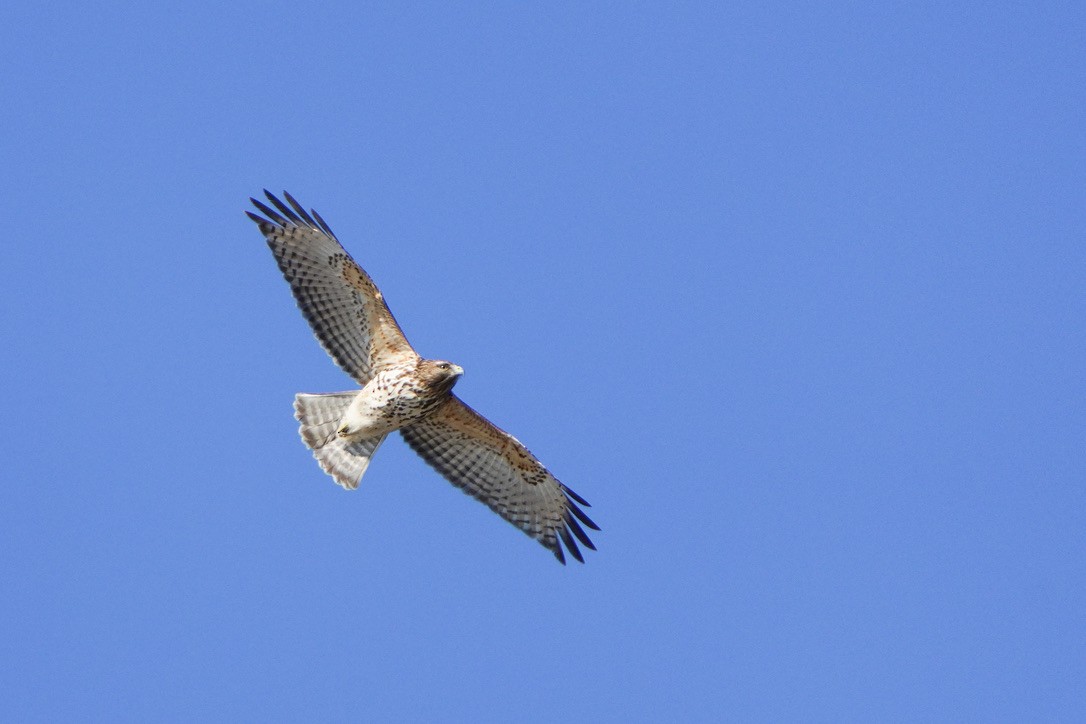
(581, 516)
(268, 212)
(299, 209)
(571, 544)
(576, 497)
(579, 532)
(283, 208)
(322, 223)
(557, 551)
(266, 227)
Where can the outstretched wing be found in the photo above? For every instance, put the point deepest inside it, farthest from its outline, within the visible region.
(338, 298)
(495, 468)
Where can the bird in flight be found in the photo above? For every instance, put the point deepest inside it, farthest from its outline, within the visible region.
(401, 390)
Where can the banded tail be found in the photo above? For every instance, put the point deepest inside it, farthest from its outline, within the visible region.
(346, 461)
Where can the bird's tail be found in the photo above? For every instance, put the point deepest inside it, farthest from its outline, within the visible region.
(345, 460)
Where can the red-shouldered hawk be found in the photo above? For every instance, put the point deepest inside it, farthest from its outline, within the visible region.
(402, 391)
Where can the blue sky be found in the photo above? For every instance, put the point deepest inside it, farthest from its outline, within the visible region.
(793, 295)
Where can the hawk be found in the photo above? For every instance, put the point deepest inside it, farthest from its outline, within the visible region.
(402, 391)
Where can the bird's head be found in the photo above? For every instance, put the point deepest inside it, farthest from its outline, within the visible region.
(439, 375)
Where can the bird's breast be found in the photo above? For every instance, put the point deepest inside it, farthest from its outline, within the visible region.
(388, 402)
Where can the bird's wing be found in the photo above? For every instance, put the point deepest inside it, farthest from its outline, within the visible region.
(340, 301)
(495, 468)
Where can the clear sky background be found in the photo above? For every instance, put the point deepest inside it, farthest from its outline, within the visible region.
(793, 295)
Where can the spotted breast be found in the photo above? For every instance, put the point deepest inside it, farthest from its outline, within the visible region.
(398, 396)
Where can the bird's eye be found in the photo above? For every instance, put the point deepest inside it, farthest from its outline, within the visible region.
(444, 366)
